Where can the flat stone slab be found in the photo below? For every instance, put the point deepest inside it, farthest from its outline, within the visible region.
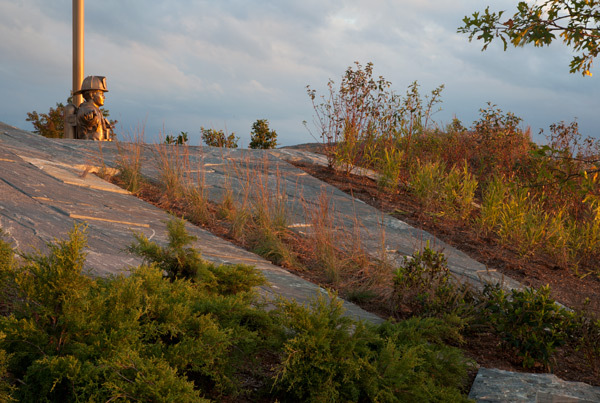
(495, 385)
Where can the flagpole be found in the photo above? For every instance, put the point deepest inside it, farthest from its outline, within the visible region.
(78, 48)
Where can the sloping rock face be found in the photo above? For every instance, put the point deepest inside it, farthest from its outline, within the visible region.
(247, 174)
(46, 186)
(44, 191)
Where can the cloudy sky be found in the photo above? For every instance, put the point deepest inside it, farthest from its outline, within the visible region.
(177, 65)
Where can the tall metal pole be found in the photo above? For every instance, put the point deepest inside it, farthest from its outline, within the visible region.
(78, 48)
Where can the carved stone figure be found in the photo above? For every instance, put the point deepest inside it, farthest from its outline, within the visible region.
(91, 124)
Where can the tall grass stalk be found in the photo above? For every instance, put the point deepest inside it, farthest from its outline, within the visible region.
(521, 221)
(129, 159)
(270, 216)
(183, 182)
(195, 195)
(172, 160)
(365, 110)
(323, 238)
(518, 216)
(445, 192)
(258, 209)
(369, 272)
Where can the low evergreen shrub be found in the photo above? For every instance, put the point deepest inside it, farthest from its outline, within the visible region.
(181, 329)
(329, 357)
(70, 337)
(530, 322)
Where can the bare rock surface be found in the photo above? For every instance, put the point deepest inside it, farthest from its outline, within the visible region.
(46, 185)
(495, 385)
(247, 174)
(44, 190)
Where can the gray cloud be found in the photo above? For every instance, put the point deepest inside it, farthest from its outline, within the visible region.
(180, 65)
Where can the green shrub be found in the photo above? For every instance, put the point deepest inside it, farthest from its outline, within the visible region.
(424, 284)
(6, 388)
(588, 334)
(447, 192)
(218, 138)
(141, 337)
(329, 357)
(529, 321)
(148, 337)
(178, 260)
(417, 360)
(182, 138)
(261, 136)
(324, 357)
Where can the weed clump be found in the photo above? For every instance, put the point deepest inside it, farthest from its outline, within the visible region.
(365, 123)
(448, 193)
(423, 285)
(541, 200)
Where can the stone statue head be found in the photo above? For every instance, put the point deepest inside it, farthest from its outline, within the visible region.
(94, 95)
(93, 83)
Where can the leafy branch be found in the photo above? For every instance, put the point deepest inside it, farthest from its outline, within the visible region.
(577, 23)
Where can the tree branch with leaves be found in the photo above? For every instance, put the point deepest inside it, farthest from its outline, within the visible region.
(576, 22)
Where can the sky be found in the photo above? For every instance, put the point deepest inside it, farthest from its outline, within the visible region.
(176, 66)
